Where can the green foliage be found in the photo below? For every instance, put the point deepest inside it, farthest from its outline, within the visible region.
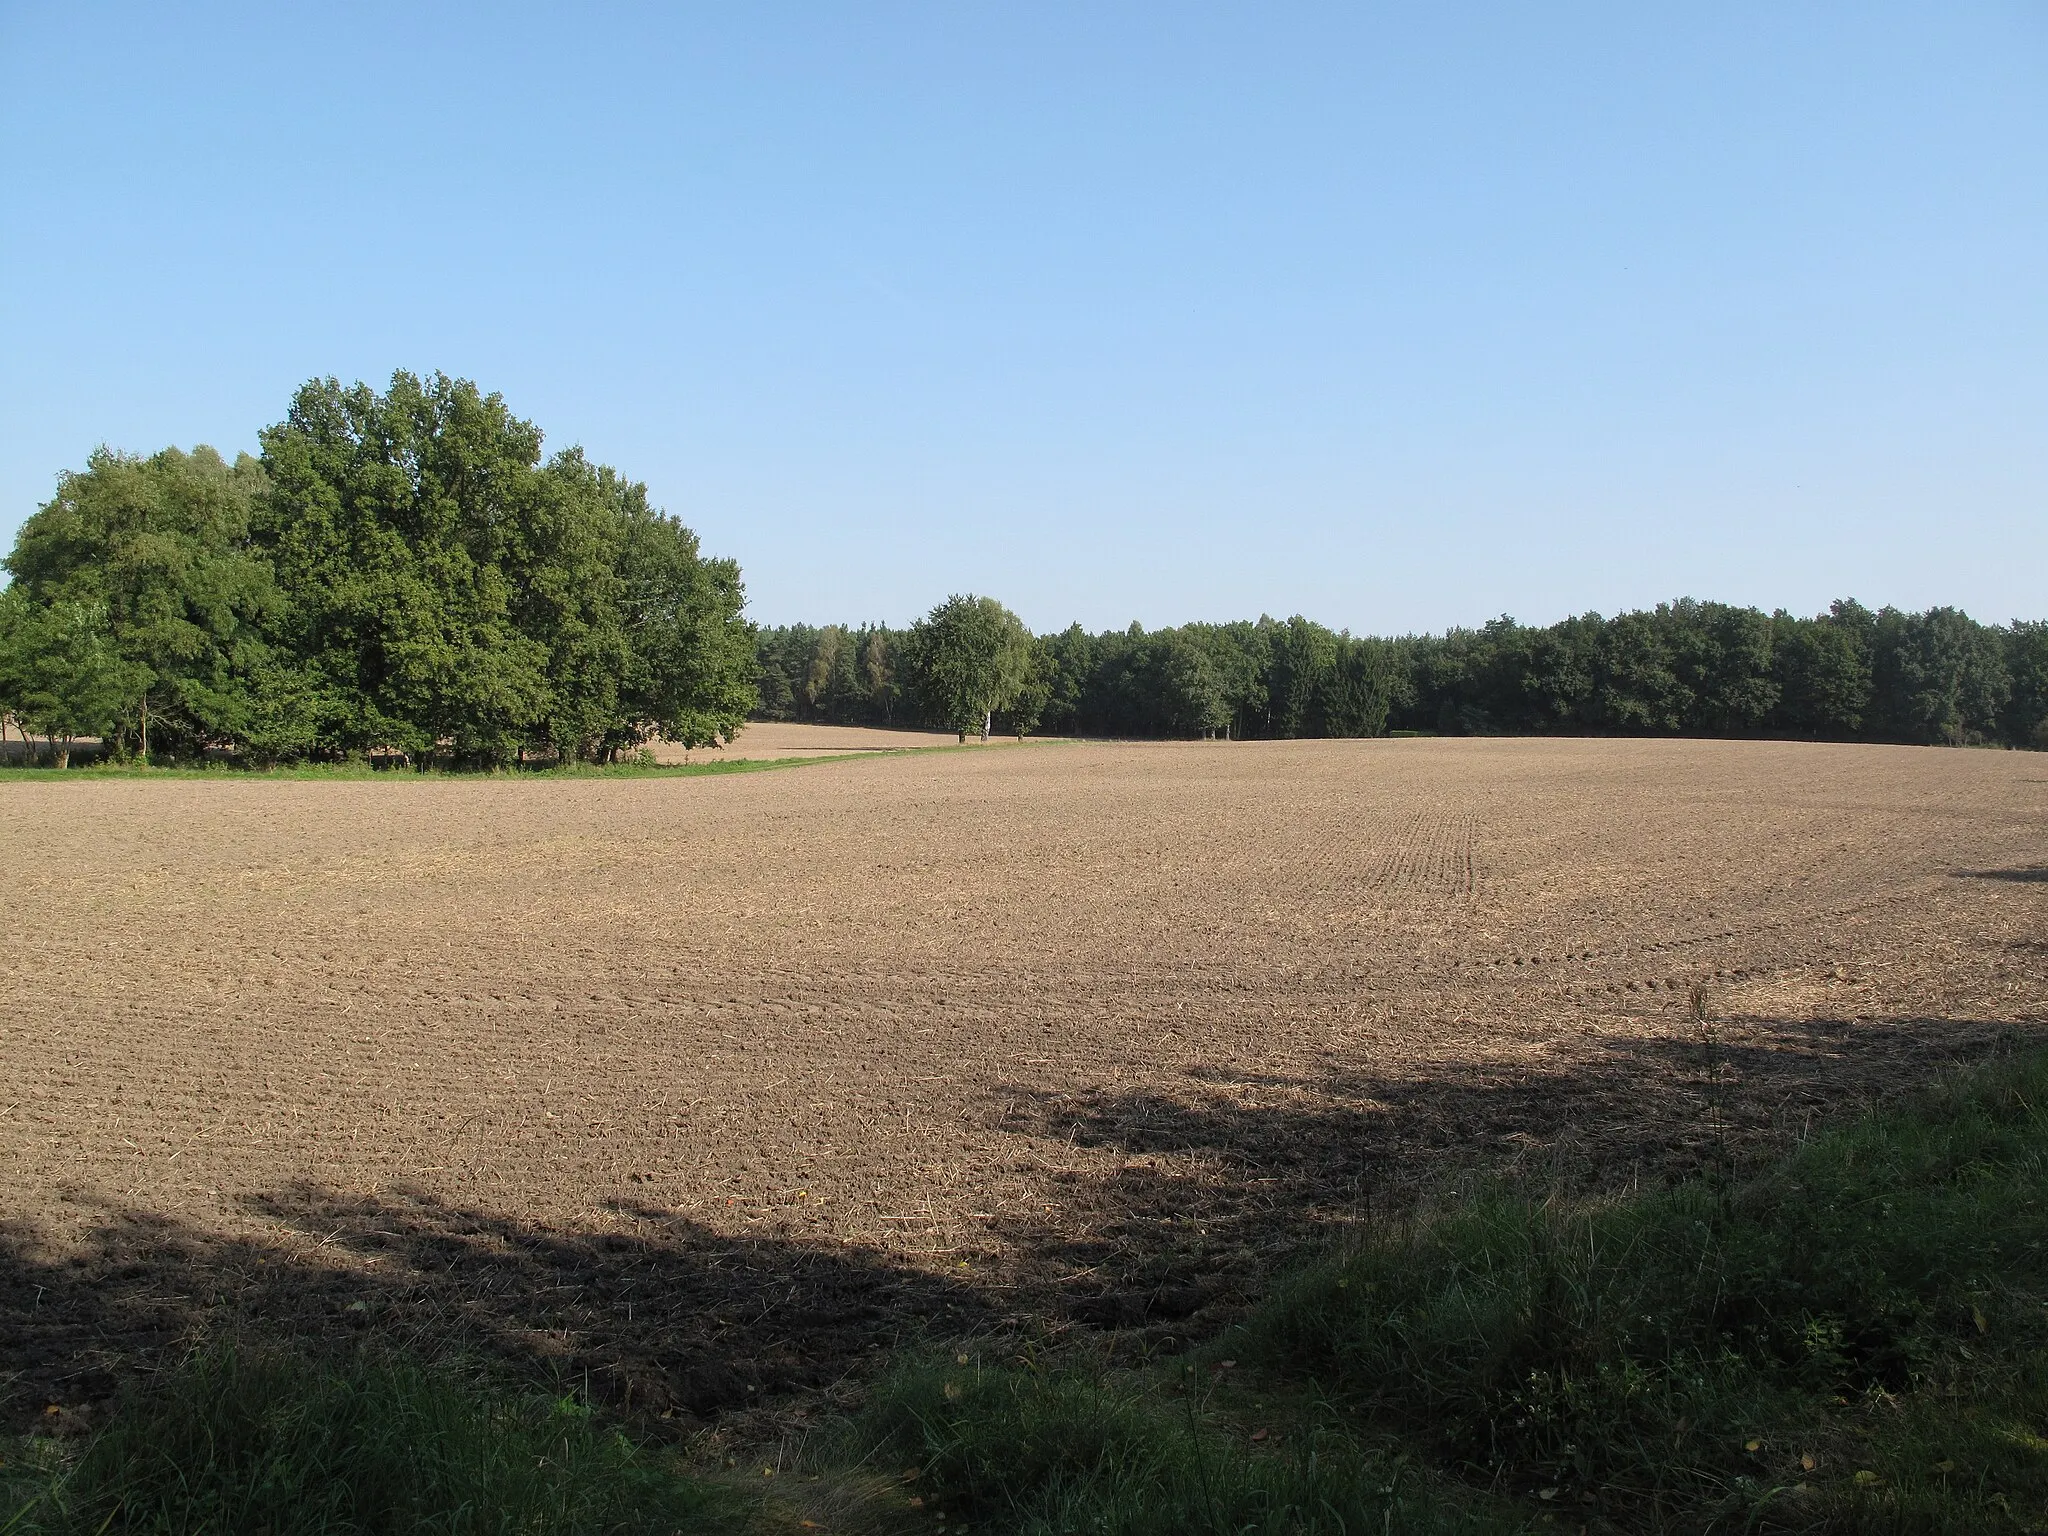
(689, 674)
(1709, 669)
(1041, 680)
(401, 572)
(1042, 1452)
(1939, 676)
(1874, 1305)
(158, 551)
(1359, 692)
(236, 1441)
(61, 674)
(968, 658)
(2026, 665)
(1682, 668)
(408, 528)
(835, 675)
(1823, 670)
(1304, 655)
(1192, 692)
(406, 573)
(1722, 655)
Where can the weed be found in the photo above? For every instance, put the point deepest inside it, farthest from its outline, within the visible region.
(640, 766)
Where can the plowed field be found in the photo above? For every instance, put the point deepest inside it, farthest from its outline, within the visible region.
(704, 1087)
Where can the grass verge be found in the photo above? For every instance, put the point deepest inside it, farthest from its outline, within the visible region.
(245, 1442)
(229, 772)
(1858, 1333)
(1149, 1454)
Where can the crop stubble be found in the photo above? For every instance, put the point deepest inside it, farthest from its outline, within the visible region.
(1074, 1031)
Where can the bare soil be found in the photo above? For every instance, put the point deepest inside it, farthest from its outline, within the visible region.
(705, 1091)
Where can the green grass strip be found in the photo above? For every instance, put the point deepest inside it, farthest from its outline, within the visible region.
(246, 1441)
(352, 772)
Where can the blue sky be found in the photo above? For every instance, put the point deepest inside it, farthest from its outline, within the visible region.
(1398, 317)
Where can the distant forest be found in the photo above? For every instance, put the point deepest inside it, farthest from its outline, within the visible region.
(1684, 668)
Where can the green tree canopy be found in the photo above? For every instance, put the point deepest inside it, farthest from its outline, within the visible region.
(689, 673)
(1685, 667)
(159, 549)
(60, 673)
(2027, 667)
(1192, 691)
(400, 570)
(971, 657)
(1938, 676)
(448, 586)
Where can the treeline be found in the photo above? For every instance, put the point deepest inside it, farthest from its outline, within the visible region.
(1683, 668)
(399, 574)
(405, 574)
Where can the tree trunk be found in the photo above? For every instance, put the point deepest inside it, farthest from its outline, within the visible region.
(145, 730)
(987, 715)
(61, 754)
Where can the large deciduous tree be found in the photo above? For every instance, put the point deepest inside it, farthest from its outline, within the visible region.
(158, 548)
(409, 529)
(1938, 676)
(1823, 670)
(689, 654)
(971, 657)
(60, 673)
(2026, 665)
(448, 586)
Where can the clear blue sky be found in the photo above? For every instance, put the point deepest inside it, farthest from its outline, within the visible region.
(1397, 317)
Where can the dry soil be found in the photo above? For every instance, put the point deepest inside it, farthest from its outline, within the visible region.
(708, 1088)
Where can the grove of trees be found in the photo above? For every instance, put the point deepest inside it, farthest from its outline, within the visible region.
(1684, 668)
(400, 573)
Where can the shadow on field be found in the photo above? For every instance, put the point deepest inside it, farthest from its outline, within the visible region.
(2031, 874)
(666, 1318)
(1219, 1186)
(1213, 1190)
